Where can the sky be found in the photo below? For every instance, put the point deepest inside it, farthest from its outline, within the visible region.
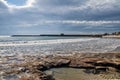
(16, 2)
(59, 16)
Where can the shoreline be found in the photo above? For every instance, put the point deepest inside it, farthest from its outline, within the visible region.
(34, 66)
(61, 35)
(112, 36)
(106, 35)
(43, 42)
(46, 47)
(18, 63)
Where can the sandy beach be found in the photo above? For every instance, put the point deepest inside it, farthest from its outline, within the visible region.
(112, 36)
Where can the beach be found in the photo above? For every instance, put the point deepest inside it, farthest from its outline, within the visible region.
(112, 36)
(59, 40)
(17, 55)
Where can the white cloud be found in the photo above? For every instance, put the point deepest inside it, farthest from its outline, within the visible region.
(74, 22)
(29, 3)
(99, 5)
(82, 22)
(49, 6)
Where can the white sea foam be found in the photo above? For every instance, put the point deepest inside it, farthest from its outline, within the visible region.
(64, 46)
(42, 42)
(4, 36)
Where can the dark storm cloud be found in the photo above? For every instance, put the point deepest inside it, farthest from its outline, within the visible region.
(34, 17)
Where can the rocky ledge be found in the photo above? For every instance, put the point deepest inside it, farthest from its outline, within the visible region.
(94, 63)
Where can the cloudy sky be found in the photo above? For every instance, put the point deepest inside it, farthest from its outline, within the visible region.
(59, 16)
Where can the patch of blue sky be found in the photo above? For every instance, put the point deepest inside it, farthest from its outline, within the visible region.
(16, 2)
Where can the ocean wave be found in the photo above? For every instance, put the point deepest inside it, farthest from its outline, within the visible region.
(43, 42)
(4, 36)
(64, 46)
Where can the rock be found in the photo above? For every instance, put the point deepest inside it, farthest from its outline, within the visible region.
(112, 69)
(23, 69)
(42, 67)
(35, 75)
(52, 64)
(1, 73)
(47, 77)
(61, 63)
(76, 63)
(100, 69)
(92, 63)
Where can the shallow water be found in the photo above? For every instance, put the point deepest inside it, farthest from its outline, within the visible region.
(79, 74)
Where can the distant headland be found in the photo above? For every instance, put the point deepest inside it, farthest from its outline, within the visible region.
(104, 35)
(112, 35)
(61, 35)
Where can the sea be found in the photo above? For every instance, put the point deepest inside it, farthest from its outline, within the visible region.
(53, 45)
(17, 50)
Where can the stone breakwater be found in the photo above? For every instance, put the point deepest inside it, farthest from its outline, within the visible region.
(33, 68)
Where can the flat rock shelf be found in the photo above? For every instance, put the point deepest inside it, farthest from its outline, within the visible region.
(78, 65)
